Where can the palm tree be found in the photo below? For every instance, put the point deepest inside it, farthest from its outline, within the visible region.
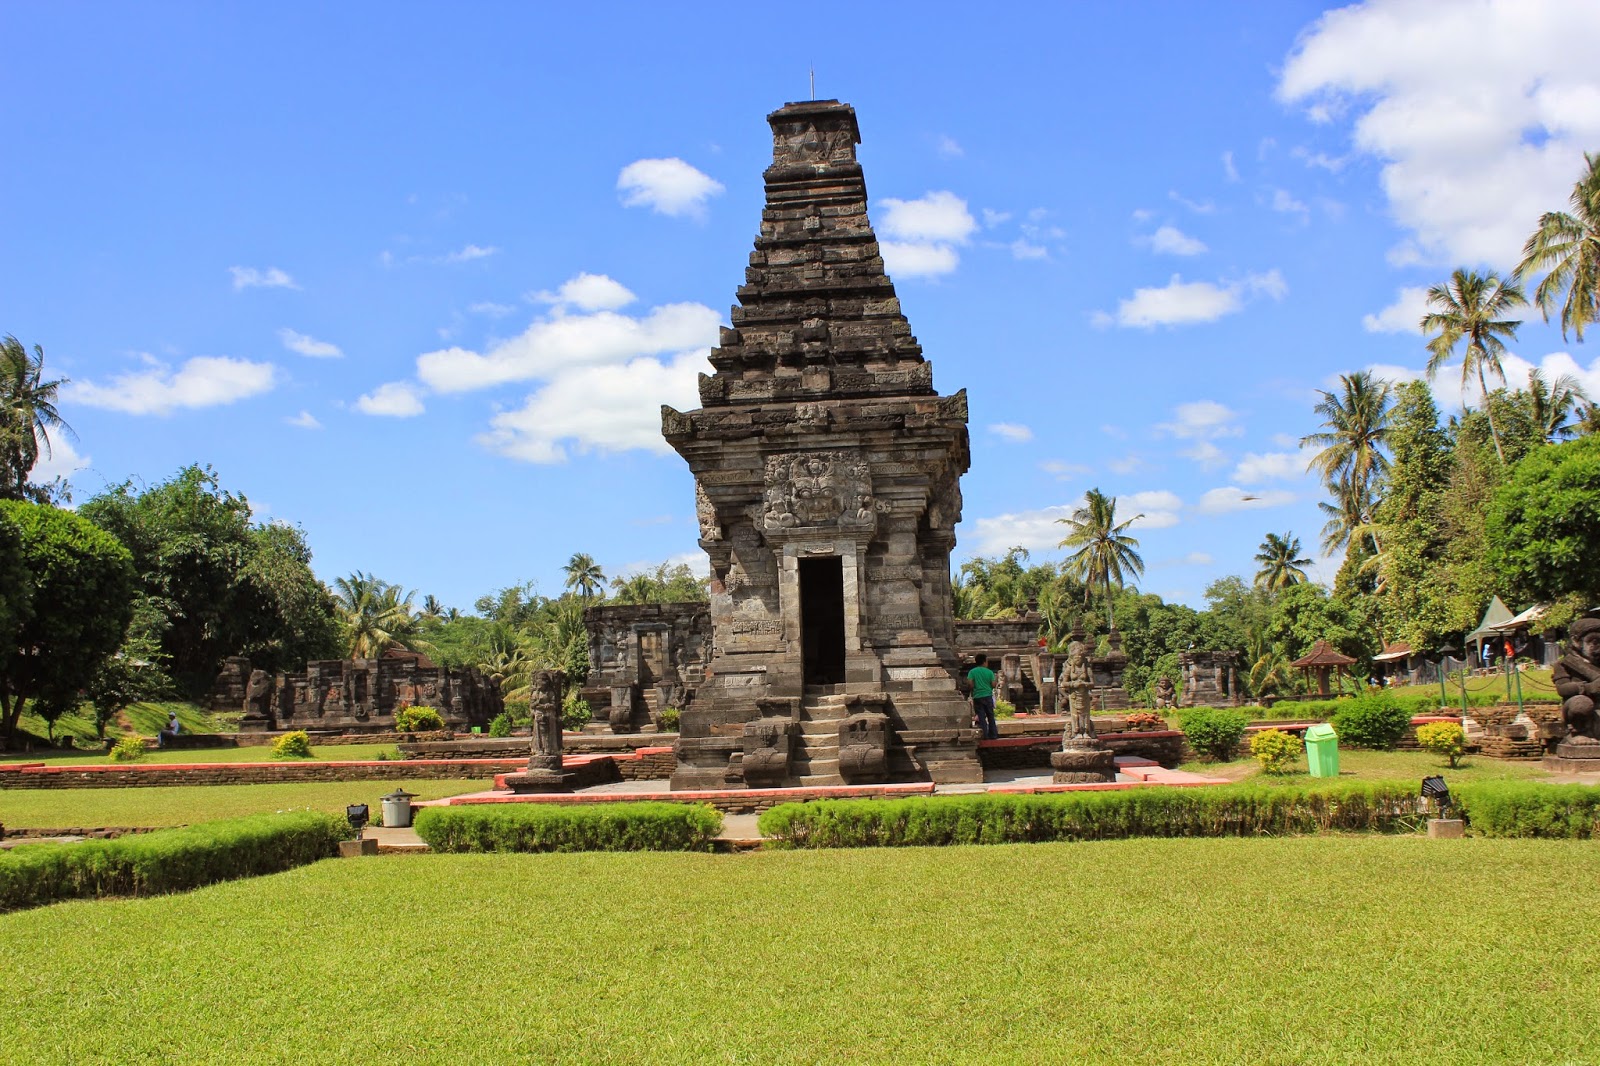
(376, 616)
(1355, 430)
(1471, 308)
(1280, 562)
(1568, 245)
(1551, 403)
(1349, 516)
(1104, 548)
(431, 607)
(585, 575)
(27, 414)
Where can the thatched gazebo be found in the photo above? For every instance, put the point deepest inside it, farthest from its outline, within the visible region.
(1320, 660)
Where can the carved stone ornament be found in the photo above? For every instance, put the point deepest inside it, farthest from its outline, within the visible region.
(706, 512)
(814, 489)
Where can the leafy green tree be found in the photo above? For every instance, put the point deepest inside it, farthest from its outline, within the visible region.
(1305, 613)
(218, 583)
(1105, 551)
(131, 675)
(1541, 524)
(1281, 565)
(666, 583)
(1567, 246)
(1416, 540)
(81, 588)
(27, 416)
(1471, 308)
(584, 576)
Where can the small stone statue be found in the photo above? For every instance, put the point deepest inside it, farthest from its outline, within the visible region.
(547, 690)
(1082, 758)
(258, 697)
(1576, 676)
(1166, 694)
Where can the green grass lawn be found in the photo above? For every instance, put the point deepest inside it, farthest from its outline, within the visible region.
(1356, 764)
(1299, 950)
(89, 808)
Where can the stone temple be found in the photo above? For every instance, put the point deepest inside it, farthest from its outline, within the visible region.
(827, 488)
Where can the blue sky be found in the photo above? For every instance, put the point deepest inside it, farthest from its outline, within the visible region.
(417, 277)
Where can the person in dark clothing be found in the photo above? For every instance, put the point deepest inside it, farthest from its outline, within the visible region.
(982, 680)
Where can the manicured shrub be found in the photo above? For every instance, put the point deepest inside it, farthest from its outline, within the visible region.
(1443, 738)
(1530, 809)
(575, 713)
(1277, 752)
(417, 719)
(171, 860)
(1372, 720)
(670, 717)
(594, 827)
(295, 745)
(1214, 732)
(1413, 702)
(500, 725)
(129, 748)
(1002, 709)
(1230, 810)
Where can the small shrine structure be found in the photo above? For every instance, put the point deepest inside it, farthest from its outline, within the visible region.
(1322, 660)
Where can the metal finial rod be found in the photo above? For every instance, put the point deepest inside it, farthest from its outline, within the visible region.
(813, 81)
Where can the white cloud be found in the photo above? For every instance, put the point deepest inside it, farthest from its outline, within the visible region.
(1284, 203)
(304, 420)
(1402, 316)
(397, 399)
(58, 458)
(1319, 159)
(667, 186)
(1470, 160)
(1191, 559)
(204, 381)
(1127, 464)
(1023, 249)
(1169, 240)
(1449, 394)
(1011, 431)
(993, 218)
(251, 278)
(949, 148)
(1036, 531)
(918, 260)
(1228, 167)
(921, 236)
(589, 292)
(605, 408)
(308, 346)
(468, 254)
(1159, 508)
(1199, 207)
(1208, 455)
(1063, 471)
(1182, 302)
(1255, 468)
(1230, 498)
(1202, 420)
(490, 308)
(565, 343)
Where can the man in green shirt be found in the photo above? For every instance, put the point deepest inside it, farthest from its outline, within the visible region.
(982, 680)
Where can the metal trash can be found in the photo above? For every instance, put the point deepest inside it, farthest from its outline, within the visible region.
(397, 809)
(1322, 753)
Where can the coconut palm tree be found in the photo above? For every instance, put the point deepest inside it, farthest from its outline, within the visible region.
(1281, 565)
(584, 575)
(376, 616)
(1104, 549)
(1472, 307)
(1355, 430)
(1349, 516)
(1568, 246)
(1552, 403)
(27, 415)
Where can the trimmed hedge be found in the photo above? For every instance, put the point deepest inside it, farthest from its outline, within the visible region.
(1415, 703)
(1231, 810)
(1497, 809)
(597, 827)
(171, 860)
(1372, 720)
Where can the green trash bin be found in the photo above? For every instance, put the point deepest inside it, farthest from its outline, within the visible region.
(1322, 750)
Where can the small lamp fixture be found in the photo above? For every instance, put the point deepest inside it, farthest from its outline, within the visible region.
(1435, 789)
(357, 814)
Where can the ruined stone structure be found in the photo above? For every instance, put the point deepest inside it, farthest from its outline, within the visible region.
(546, 771)
(827, 488)
(1210, 678)
(644, 658)
(354, 695)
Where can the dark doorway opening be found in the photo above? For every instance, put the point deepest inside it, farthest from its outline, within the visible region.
(822, 620)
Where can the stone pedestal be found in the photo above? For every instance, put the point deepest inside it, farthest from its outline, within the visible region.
(350, 849)
(544, 774)
(1574, 756)
(1083, 761)
(1446, 828)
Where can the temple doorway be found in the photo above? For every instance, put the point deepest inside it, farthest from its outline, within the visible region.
(822, 620)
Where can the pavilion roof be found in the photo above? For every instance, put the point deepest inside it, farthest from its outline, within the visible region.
(1322, 654)
(1393, 652)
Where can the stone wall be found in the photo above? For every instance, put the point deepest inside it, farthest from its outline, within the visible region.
(1024, 753)
(1210, 679)
(644, 658)
(40, 775)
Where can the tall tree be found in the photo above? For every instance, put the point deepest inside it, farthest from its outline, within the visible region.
(27, 416)
(375, 613)
(1471, 307)
(1551, 404)
(1104, 549)
(1281, 565)
(584, 575)
(1567, 245)
(1351, 458)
